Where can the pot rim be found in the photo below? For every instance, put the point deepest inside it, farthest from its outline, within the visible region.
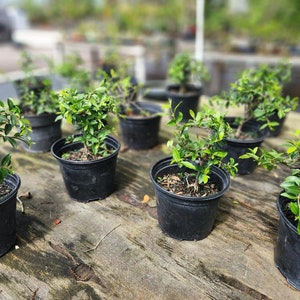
(154, 109)
(257, 141)
(280, 202)
(216, 170)
(14, 185)
(77, 162)
(193, 89)
(40, 116)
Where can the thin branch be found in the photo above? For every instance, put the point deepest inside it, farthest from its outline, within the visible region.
(96, 246)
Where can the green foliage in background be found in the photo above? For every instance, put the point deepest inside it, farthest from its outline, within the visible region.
(266, 20)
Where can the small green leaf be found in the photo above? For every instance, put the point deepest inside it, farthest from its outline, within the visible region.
(189, 165)
(176, 155)
(294, 208)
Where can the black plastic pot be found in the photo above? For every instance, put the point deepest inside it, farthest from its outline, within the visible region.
(87, 180)
(277, 129)
(187, 102)
(183, 217)
(237, 147)
(45, 131)
(287, 249)
(139, 132)
(8, 215)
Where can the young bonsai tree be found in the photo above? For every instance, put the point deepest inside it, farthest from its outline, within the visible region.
(270, 159)
(123, 90)
(259, 92)
(200, 153)
(89, 112)
(13, 128)
(184, 69)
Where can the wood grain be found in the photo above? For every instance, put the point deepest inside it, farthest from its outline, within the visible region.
(134, 259)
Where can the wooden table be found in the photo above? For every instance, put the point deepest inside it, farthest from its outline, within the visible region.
(114, 248)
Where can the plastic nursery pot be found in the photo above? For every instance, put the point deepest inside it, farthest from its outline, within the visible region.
(87, 180)
(183, 217)
(45, 131)
(237, 147)
(287, 248)
(277, 129)
(8, 215)
(187, 102)
(139, 132)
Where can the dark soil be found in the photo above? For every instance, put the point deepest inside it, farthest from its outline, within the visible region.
(185, 184)
(81, 155)
(287, 212)
(244, 135)
(4, 189)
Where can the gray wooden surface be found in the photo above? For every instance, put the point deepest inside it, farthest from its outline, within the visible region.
(114, 249)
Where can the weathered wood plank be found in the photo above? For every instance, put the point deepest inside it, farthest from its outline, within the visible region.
(134, 259)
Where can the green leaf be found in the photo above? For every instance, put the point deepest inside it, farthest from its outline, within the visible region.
(291, 149)
(192, 113)
(294, 208)
(176, 155)
(6, 160)
(179, 117)
(204, 178)
(189, 165)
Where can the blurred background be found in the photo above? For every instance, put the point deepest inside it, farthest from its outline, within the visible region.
(236, 33)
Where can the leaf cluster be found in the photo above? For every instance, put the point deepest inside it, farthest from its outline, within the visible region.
(184, 68)
(123, 90)
(89, 112)
(120, 87)
(13, 127)
(291, 186)
(259, 91)
(79, 78)
(196, 152)
(69, 67)
(38, 101)
(270, 159)
(37, 96)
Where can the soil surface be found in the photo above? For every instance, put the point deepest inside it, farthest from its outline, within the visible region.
(185, 184)
(4, 189)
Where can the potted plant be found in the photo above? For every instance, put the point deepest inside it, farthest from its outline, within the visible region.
(88, 159)
(38, 103)
(258, 92)
(186, 74)
(139, 120)
(40, 110)
(287, 246)
(13, 127)
(189, 184)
